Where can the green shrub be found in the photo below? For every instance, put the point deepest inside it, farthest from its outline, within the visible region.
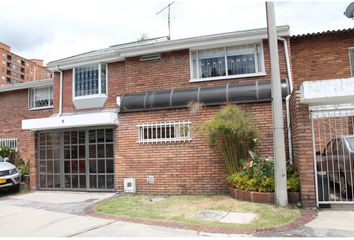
(257, 175)
(293, 182)
(257, 167)
(7, 152)
(231, 134)
(23, 168)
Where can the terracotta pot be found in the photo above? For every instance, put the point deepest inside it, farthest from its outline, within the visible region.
(261, 197)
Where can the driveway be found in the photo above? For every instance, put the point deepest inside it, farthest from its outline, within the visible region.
(61, 214)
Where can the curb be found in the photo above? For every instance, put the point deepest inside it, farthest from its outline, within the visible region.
(307, 215)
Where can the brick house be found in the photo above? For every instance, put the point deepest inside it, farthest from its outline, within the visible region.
(125, 111)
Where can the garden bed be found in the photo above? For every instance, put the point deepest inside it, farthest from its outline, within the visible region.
(261, 197)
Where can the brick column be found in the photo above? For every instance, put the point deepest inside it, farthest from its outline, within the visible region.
(303, 148)
(32, 159)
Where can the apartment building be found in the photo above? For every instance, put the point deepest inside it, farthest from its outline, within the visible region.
(124, 116)
(16, 69)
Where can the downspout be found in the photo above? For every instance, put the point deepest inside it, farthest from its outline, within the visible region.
(288, 70)
(60, 92)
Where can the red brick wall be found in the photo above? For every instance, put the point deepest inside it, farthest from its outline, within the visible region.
(14, 108)
(171, 71)
(177, 167)
(190, 167)
(321, 57)
(301, 129)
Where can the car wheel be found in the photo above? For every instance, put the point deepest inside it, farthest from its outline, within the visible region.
(343, 186)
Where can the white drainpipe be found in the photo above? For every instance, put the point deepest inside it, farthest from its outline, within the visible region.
(288, 70)
(60, 92)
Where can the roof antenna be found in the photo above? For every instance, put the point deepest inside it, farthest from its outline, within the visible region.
(169, 18)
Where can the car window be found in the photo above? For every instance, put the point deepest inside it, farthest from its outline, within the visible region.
(350, 141)
(2, 160)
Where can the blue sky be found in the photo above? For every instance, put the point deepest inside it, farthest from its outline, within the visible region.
(42, 29)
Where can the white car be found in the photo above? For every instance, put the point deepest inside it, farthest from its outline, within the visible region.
(9, 176)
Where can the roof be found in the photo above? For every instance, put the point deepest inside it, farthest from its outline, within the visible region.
(121, 51)
(317, 34)
(26, 85)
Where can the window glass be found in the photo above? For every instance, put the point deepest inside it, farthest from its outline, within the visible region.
(211, 63)
(89, 79)
(240, 60)
(41, 97)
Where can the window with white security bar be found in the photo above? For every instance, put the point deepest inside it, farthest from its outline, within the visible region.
(41, 98)
(227, 61)
(164, 132)
(90, 80)
(8, 142)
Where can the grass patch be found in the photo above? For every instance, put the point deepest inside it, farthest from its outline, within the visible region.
(184, 208)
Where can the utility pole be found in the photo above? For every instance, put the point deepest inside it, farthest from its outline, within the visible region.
(281, 194)
(168, 17)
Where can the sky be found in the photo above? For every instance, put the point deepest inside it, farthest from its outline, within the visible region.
(51, 30)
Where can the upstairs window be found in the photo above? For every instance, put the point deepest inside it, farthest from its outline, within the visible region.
(351, 59)
(90, 80)
(41, 98)
(227, 61)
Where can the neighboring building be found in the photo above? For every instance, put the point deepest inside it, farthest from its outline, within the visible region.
(16, 69)
(129, 111)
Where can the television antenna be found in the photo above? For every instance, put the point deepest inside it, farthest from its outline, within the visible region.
(169, 18)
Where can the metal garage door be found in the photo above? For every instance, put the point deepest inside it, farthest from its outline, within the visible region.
(81, 159)
(333, 142)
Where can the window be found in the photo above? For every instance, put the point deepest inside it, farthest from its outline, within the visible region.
(41, 98)
(351, 59)
(164, 132)
(8, 142)
(90, 80)
(227, 61)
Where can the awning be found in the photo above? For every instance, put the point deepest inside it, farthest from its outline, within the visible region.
(327, 92)
(71, 121)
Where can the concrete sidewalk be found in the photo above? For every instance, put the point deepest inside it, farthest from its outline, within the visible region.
(61, 214)
(328, 223)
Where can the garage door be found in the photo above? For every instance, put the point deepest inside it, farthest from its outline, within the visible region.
(81, 159)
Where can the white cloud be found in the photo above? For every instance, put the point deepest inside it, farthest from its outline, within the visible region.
(42, 29)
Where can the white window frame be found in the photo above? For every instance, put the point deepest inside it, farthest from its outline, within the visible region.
(164, 125)
(351, 51)
(99, 82)
(30, 98)
(258, 73)
(9, 142)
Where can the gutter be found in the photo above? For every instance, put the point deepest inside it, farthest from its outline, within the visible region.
(60, 91)
(288, 70)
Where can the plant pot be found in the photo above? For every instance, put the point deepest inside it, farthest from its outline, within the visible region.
(261, 197)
